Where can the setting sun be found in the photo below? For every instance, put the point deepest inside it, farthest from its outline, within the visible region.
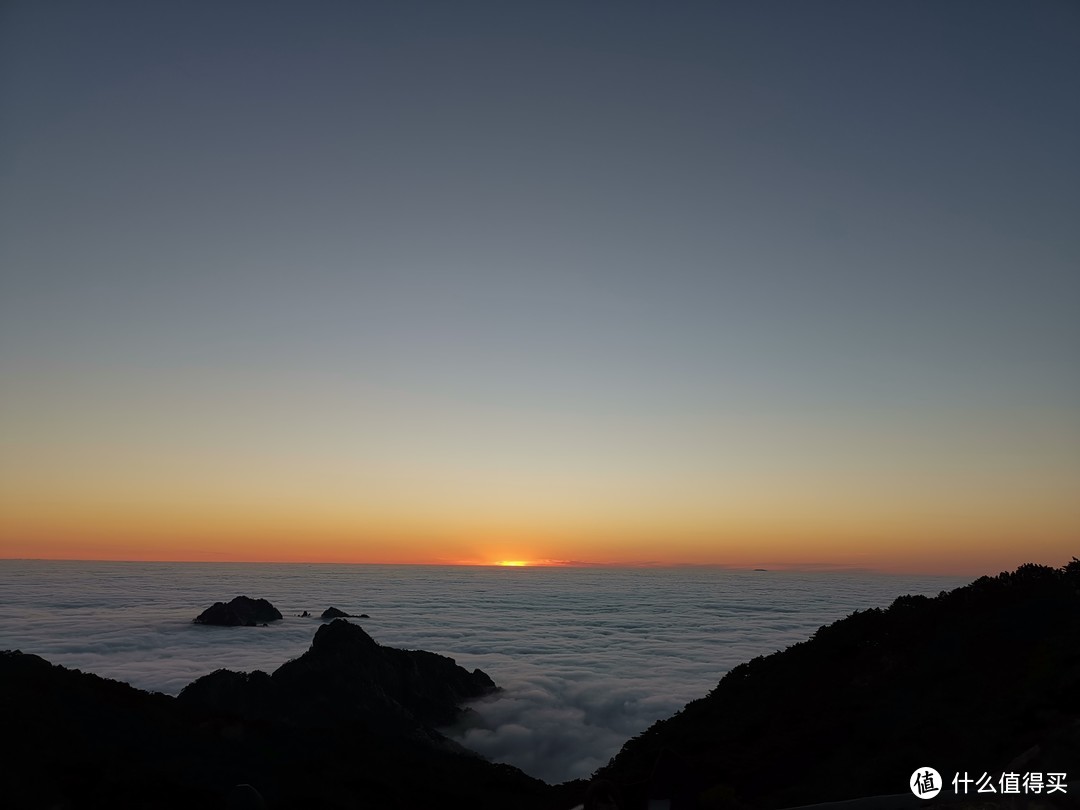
(313, 314)
(802, 337)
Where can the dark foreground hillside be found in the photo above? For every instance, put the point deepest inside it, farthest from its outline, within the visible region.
(983, 679)
(348, 724)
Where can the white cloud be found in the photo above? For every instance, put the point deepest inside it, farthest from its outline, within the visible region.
(586, 657)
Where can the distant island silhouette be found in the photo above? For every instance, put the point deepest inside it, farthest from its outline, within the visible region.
(983, 678)
(241, 611)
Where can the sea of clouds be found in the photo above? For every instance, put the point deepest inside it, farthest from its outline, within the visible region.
(586, 657)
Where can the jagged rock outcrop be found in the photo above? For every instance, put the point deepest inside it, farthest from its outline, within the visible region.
(343, 726)
(240, 612)
(347, 677)
(966, 681)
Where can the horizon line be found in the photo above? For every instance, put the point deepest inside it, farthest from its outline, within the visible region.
(765, 567)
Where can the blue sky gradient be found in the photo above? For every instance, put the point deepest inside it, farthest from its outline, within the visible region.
(545, 261)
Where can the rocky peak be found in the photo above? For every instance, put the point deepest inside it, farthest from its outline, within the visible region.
(242, 611)
(341, 638)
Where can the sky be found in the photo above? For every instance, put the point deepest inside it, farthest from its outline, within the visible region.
(763, 283)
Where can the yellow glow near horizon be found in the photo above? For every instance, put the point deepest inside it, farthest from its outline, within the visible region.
(247, 533)
(433, 352)
(832, 505)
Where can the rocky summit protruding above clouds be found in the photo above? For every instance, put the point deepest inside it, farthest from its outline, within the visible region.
(349, 723)
(240, 612)
(347, 677)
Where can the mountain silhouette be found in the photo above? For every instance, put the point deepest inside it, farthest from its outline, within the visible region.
(985, 678)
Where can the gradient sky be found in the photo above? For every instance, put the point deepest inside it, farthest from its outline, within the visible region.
(741, 283)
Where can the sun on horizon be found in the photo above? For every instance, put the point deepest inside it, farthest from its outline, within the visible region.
(659, 290)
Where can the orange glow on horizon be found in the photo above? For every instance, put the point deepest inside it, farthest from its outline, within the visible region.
(971, 555)
(289, 532)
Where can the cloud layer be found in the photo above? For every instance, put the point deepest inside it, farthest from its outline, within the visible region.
(586, 657)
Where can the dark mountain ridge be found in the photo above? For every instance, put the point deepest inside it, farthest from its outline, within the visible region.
(349, 723)
(985, 678)
(346, 677)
